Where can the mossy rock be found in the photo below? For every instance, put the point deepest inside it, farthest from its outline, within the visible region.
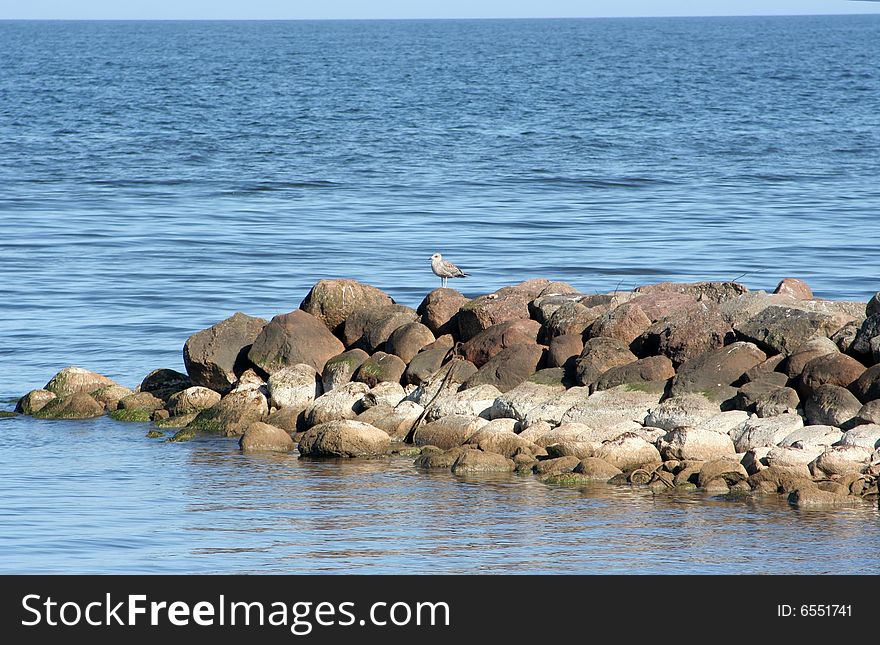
(407, 452)
(6, 414)
(648, 387)
(207, 421)
(686, 486)
(180, 421)
(552, 376)
(184, 434)
(568, 479)
(77, 406)
(136, 415)
(155, 434)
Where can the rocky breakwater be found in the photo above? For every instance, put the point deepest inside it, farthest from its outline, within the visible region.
(674, 386)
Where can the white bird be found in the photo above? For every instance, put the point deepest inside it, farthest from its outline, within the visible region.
(445, 269)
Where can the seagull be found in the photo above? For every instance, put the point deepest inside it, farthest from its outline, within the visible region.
(445, 269)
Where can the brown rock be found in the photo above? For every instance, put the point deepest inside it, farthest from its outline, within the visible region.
(448, 432)
(715, 292)
(644, 370)
(571, 318)
(215, 357)
(345, 438)
(163, 383)
(141, 401)
(870, 413)
(599, 356)
(380, 368)
(71, 380)
(831, 405)
(793, 365)
(408, 340)
(34, 401)
(483, 312)
(766, 369)
(233, 414)
(686, 334)
(477, 461)
(289, 339)
(597, 469)
(446, 341)
(423, 365)
(831, 369)
(716, 370)
(557, 465)
(769, 398)
(782, 329)
(370, 329)
(489, 342)
(439, 310)
(340, 369)
(510, 367)
(110, 395)
(867, 386)
(262, 437)
(564, 351)
(729, 470)
(432, 457)
(660, 304)
(628, 451)
(333, 301)
(78, 405)
(624, 323)
(794, 288)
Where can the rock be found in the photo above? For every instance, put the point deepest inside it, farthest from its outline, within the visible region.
(644, 370)
(597, 469)
(132, 415)
(34, 401)
(476, 401)
(868, 413)
(831, 369)
(262, 437)
(446, 341)
(730, 471)
(621, 408)
(715, 371)
(841, 460)
(477, 461)
(777, 379)
(564, 351)
(579, 449)
(797, 459)
(342, 403)
(179, 421)
(78, 405)
(628, 451)
(408, 340)
(516, 403)
(813, 435)
(432, 457)
(439, 310)
(873, 306)
(693, 443)
(296, 386)
(72, 380)
(869, 330)
(483, 312)
(794, 288)
(162, 383)
(397, 421)
(543, 307)
(380, 368)
(683, 410)
(448, 432)
(340, 369)
(723, 422)
(251, 380)
(344, 438)
(660, 304)
(793, 365)
(552, 377)
(141, 401)
(555, 408)
(386, 393)
(815, 498)
(332, 301)
(489, 342)
(571, 318)
(755, 460)
(534, 432)
(291, 339)
(769, 431)
(624, 323)
(289, 419)
(782, 400)
(779, 480)
(750, 394)
(845, 337)
(510, 367)
(865, 436)
(447, 379)
(867, 386)
(370, 329)
(557, 465)
(233, 414)
(569, 433)
(781, 329)
(599, 356)
(110, 395)
(558, 288)
(424, 364)
(766, 370)
(498, 437)
(685, 334)
(215, 357)
(714, 292)
(831, 405)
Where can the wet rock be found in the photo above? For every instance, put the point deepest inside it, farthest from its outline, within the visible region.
(841, 460)
(769, 431)
(475, 401)
(816, 498)
(645, 370)
(694, 443)
(344, 438)
(341, 403)
(178, 421)
(780, 480)
(297, 386)
(571, 318)
(813, 435)
(34, 401)
(867, 386)
(424, 364)
(481, 313)
(516, 403)
(448, 432)
(755, 460)
(564, 351)
(685, 334)
(714, 292)
(215, 357)
(830, 369)
(439, 311)
(599, 356)
(683, 410)
(380, 368)
(597, 469)
(557, 465)
(141, 401)
(715, 371)
(793, 365)
(78, 405)
(627, 452)
(340, 369)
(781, 329)
(865, 436)
(262, 437)
(831, 405)
(624, 323)
(491, 341)
(729, 470)
(132, 415)
(432, 457)
(110, 395)
(621, 408)
(291, 339)
(477, 461)
(510, 367)
(72, 380)
(233, 414)
(408, 340)
(782, 400)
(397, 421)
(794, 288)
(332, 301)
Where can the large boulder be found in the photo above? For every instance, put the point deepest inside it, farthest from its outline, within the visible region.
(498, 437)
(660, 304)
(344, 438)
(793, 365)
(408, 340)
(682, 410)
(769, 431)
(818, 498)
(729, 470)
(685, 334)
(489, 342)
(369, 329)
(841, 460)
(77, 405)
(297, 386)
(72, 380)
(141, 401)
(262, 437)
(715, 292)
(867, 386)
(424, 364)
(813, 435)
(380, 368)
(776, 401)
(780, 329)
(516, 403)
(340, 369)
(475, 401)
(510, 367)
(715, 371)
(333, 301)
(620, 408)
(344, 402)
(564, 351)
(571, 318)
(448, 432)
(624, 323)
(398, 421)
(291, 339)
(438, 311)
(653, 369)
(34, 401)
(830, 369)
(477, 461)
(831, 405)
(795, 458)
(111, 395)
(694, 443)
(627, 452)
(215, 357)
(866, 436)
(779, 480)
(599, 356)
(569, 433)
(543, 307)
(233, 414)
(481, 313)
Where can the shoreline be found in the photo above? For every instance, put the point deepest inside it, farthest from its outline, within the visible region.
(675, 386)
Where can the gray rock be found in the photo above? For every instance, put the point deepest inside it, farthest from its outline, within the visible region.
(476, 401)
(341, 403)
(622, 408)
(424, 364)
(756, 432)
(297, 386)
(694, 443)
(572, 318)
(509, 303)
(716, 370)
(386, 393)
(683, 410)
(215, 357)
(333, 301)
(448, 432)
(232, 415)
(262, 437)
(869, 330)
(841, 460)
(813, 435)
(291, 339)
(831, 405)
(627, 452)
(340, 369)
(783, 400)
(685, 334)
(552, 410)
(72, 380)
(398, 422)
(510, 367)
(781, 329)
(34, 401)
(516, 403)
(653, 369)
(345, 438)
(865, 436)
(597, 469)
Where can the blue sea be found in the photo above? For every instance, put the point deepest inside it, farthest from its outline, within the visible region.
(156, 177)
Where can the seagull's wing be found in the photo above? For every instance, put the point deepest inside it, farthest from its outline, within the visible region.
(452, 270)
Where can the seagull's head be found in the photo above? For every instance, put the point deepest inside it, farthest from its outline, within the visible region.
(436, 256)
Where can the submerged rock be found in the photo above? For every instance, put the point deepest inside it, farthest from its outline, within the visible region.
(75, 406)
(262, 437)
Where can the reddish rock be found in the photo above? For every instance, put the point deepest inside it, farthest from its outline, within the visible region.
(867, 386)
(483, 312)
(564, 350)
(793, 365)
(571, 318)
(831, 369)
(660, 304)
(491, 341)
(762, 369)
(289, 339)
(644, 370)
(333, 301)
(794, 288)
(408, 340)
(625, 323)
(686, 334)
(215, 357)
(599, 356)
(439, 309)
(510, 367)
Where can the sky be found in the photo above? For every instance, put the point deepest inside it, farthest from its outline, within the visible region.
(359, 9)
